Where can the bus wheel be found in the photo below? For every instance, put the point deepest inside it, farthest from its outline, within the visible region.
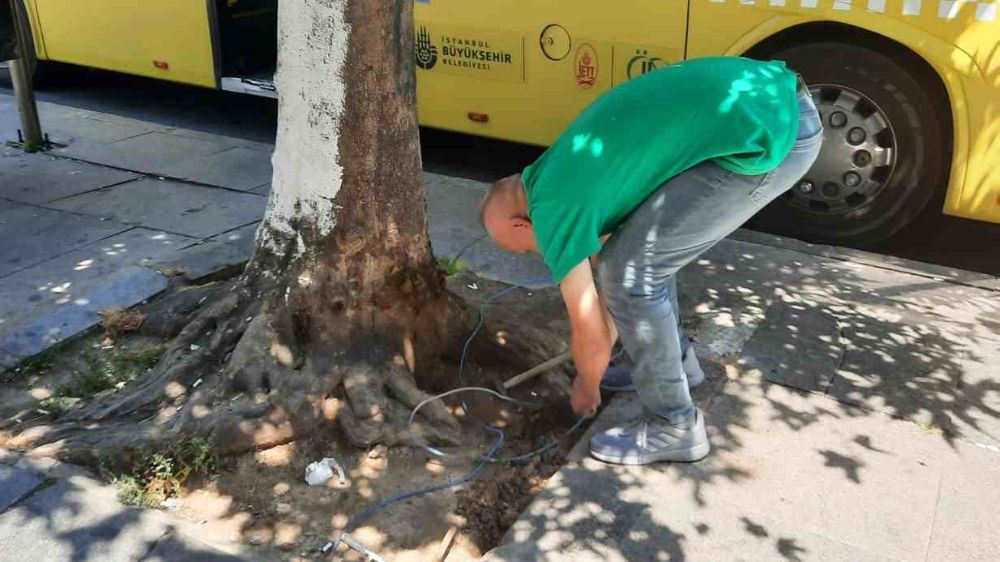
(886, 147)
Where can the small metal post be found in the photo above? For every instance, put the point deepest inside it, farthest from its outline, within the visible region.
(24, 92)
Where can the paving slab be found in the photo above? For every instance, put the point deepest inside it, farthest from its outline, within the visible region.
(991, 284)
(122, 289)
(41, 234)
(726, 293)
(917, 374)
(46, 300)
(793, 476)
(797, 345)
(10, 122)
(868, 258)
(180, 548)
(236, 168)
(244, 237)
(958, 308)
(965, 526)
(71, 520)
(922, 350)
(7, 360)
(455, 231)
(40, 178)
(186, 209)
(151, 152)
(908, 345)
(204, 259)
(16, 483)
(81, 130)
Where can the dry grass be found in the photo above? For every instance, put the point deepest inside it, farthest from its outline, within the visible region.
(117, 321)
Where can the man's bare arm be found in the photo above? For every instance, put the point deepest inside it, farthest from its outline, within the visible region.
(592, 336)
(604, 305)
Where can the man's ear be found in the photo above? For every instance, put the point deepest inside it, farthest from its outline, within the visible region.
(520, 222)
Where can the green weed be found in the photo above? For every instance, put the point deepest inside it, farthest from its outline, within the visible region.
(107, 369)
(451, 266)
(57, 406)
(157, 474)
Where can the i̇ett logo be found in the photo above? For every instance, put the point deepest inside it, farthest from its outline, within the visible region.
(426, 52)
(642, 63)
(585, 66)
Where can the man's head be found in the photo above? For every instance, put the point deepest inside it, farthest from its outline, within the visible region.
(504, 214)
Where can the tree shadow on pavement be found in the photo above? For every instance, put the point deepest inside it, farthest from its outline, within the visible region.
(76, 519)
(805, 357)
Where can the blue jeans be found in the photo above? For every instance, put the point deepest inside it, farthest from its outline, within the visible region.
(684, 217)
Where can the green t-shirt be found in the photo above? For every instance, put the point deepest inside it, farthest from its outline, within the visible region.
(741, 114)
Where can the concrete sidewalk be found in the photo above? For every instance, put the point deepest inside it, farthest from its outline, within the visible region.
(53, 511)
(854, 412)
(853, 399)
(80, 237)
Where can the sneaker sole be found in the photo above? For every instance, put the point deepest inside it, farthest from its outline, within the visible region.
(692, 454)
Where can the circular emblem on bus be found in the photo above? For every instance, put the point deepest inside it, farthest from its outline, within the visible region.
(642, 63)
(585, 66)
(555, 42)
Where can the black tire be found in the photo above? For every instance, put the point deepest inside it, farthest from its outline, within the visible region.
(917, 133)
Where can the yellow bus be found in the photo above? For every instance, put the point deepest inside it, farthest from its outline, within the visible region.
(909, 90)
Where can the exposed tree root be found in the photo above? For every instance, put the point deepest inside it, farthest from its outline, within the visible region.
(239, 376)
(380, 402)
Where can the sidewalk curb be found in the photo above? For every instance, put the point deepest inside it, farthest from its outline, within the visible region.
(901, 265)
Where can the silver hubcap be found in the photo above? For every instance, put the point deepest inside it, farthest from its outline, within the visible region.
(858, 155)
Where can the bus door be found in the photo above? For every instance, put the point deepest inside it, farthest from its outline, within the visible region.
(166, 39)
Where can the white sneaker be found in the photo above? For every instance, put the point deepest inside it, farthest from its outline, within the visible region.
(649, 439)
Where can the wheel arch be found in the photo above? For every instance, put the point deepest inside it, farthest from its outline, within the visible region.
(942, 66)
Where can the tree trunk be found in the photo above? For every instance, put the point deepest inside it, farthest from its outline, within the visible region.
(352, 291)
(345, 236)
(343, 306)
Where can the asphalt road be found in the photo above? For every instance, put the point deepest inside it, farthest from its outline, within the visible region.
(933, 237)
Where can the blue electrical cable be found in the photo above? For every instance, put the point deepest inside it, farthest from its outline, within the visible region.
(471, 475)
(490, 456)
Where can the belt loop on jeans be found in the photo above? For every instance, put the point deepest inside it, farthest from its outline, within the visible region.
(801, 86)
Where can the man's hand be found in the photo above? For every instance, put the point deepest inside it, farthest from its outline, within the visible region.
(585, 399)
(592, 338)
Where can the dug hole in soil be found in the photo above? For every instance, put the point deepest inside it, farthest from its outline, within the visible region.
(260, 500)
